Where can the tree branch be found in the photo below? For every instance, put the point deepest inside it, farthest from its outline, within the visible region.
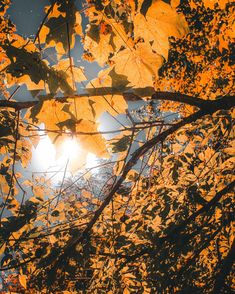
(211, 204)
(209, 106)
(226, 102)
(43, 22)
(181, 98)
(226, 267)
(17, 105)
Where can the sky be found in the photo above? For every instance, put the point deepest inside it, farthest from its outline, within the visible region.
(27, 15)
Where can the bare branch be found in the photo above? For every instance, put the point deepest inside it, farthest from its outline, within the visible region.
(42, 23)
(209, 106)
(181, 98)
(221, 103)
(17, 105)
(134, 158)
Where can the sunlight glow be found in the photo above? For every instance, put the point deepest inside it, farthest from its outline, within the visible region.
(46, 159)
(44, 153)
(70, 149)
(91, 160)
(57, 163)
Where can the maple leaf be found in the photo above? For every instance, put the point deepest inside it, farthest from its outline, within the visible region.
(140, 65)
(67, 20)
(99, 50)
(105, 35)
(161, 22)
(101, 228)
(27, 67)
(72, 73)
(23, 281)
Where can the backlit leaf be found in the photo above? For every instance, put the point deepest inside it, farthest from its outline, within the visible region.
(23, 281)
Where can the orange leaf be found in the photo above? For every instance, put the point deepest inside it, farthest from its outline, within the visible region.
(23, 281)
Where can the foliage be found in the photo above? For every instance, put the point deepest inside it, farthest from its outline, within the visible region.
(157, 215)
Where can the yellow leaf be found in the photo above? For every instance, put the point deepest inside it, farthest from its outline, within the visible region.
(60, 206)
(93, 143)
(2, 248)
(52, 239)
(176, 147)
(175, 3)
(23, 281)
(24, 149)
(74, 74)
(114, 104)
(43, 34)
(25, 79)
(209, 3)
(120, 37)
(222, 43)
(51, 114)
(100, 51)
(126, 291)
(140, 65)
(27, 183)
(230, 151)
(160, 22)
(78, 24)
(3, 184)
(56, 12)
(129, 275)
(119, 167)
(38, 191)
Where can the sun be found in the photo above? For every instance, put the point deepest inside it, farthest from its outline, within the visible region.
(70, 149)
(46, 157)
(44, 154)
(64, 161)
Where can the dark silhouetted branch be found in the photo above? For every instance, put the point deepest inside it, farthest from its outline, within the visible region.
(209, 205)
(178, 97)
(209, 106)
(226, 102)
(226, 267)
(17, 105)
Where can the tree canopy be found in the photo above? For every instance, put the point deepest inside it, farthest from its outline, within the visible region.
(156, 214)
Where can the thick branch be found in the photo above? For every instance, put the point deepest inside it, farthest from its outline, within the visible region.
(17, 105)
(181, 98)
(226, 267)
(208, 105)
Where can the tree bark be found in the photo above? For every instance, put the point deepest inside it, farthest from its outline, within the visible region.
(209, 106)
(226, 267)
(17, 105)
